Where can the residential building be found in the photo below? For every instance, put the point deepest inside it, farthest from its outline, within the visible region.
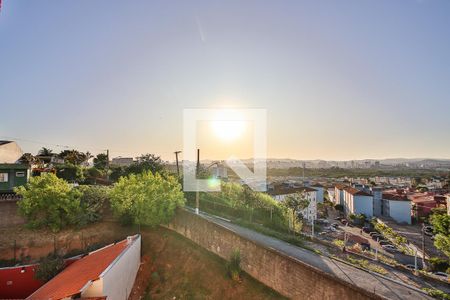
(339, 193)
(422, 204)
(13, 175)
(10, 152)
(319, 188)
(357, 202)
(107, 273)
(377, 194)
(122, 161)
(397, 206)
(280, 192)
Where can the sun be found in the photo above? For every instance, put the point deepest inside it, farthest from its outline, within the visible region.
(228, 125)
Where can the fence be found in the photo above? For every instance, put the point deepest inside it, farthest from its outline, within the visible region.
(10, 197)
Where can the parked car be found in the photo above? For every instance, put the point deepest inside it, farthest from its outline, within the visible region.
(373, 232)
(428, 228)
(410, 267)
(384, 242)
(442, 275)
(377, 237)
(335, 225)
(366, 229)
(344, 221)
(389, 248)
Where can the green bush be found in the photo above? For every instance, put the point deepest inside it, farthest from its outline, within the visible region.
(234, 265)
(49, 267)
(49, 201)
(146, 199)
(92, 202)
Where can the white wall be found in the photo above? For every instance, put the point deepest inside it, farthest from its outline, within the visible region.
(400, 211)
(118, 280)
(363, 205)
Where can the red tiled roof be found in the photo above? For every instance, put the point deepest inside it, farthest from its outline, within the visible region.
(73, 278)
(354, 191)
(340, 186)
(395, 196)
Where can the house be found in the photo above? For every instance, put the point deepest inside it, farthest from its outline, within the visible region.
(10, 152)
(357, 202)
(422, 204)
(13, 175)
(396, 205)
(107, 273)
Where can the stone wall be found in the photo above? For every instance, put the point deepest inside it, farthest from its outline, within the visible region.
(280, 272)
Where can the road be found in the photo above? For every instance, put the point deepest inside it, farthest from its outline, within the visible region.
(372, 282)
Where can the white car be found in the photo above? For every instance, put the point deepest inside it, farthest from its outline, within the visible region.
(442, 275)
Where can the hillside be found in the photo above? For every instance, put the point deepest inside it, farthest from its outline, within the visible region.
(176, 268)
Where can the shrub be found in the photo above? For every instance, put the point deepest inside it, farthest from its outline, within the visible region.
(146, 199)
(49, 267)
(234, 265)
(49, 201)
(92, 201)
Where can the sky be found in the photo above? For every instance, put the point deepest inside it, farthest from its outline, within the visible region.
(339, 79)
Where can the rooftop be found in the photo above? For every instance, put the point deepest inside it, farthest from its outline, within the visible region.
(355, 192)
(81, 273)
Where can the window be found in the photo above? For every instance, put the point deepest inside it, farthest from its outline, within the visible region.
(20, 174)
(3, 177)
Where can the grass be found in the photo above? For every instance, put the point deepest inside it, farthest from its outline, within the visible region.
(291, 239)
(365, 264)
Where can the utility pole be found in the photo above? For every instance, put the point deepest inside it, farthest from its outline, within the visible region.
(176, 158)
(423, 246)
(107, 164)
(197, 170)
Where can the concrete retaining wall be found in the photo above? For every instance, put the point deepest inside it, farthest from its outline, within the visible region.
(282, 273)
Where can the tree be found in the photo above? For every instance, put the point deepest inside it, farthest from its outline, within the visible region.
(101, 161)
(75, 157)
(45, 152)
(145, 163)
(92, 201)
(296, 202)
(70, 172)
(49, 267)
(28, 159)
(146, 198)
(441, 227)
(48, 201)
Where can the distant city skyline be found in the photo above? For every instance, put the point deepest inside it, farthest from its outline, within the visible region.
(341, 80)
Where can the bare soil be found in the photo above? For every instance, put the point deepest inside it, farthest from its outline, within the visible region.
(173, 267)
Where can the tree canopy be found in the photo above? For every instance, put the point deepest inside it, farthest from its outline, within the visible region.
(101, 161)
(49, 201)
(146, 198)
(441, 225)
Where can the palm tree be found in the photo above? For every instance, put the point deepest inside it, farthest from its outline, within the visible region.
(45, 152)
